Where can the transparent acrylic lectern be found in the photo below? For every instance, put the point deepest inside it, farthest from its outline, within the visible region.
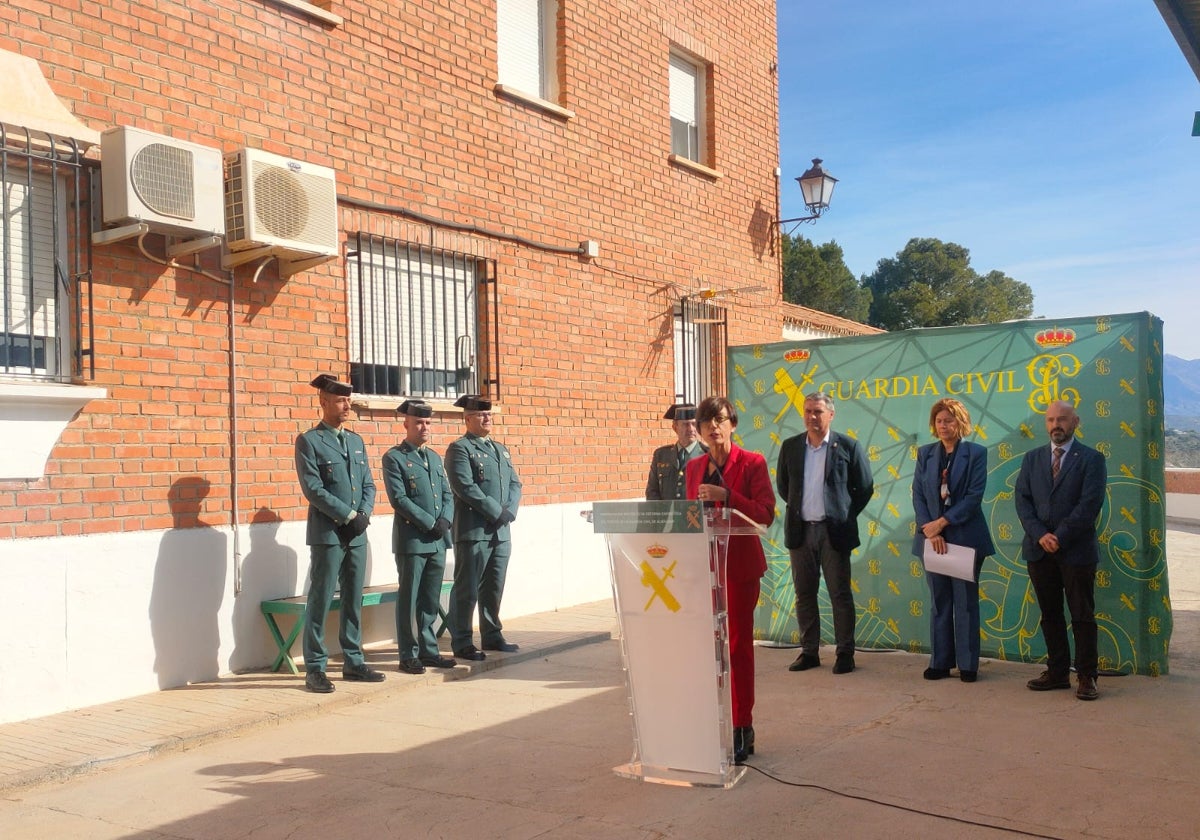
(668, 573)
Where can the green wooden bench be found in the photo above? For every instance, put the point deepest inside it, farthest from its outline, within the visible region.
(372, 595)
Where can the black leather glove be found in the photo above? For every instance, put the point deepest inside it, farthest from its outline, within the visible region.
(359, 523)
(506, 516)
(441, 527)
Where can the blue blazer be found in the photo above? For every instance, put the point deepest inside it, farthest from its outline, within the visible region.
(967, 482)
(849, 485)
(1068, 507)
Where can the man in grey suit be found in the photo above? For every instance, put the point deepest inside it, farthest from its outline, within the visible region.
(666, 480)
(331, 464)
(423, 508)
(826, 481)
(1059, 493)
(487, 492)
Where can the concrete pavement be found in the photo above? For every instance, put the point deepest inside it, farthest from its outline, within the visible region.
(525, 748)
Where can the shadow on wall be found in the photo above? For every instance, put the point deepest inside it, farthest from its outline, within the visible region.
(189, 586)
(269, 571)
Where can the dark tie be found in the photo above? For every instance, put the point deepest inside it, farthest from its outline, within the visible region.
(1056, 464)
(682, 457)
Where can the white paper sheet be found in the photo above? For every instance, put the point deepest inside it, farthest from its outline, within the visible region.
(958, 561)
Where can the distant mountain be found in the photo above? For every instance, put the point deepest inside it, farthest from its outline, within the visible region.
(1181, 391)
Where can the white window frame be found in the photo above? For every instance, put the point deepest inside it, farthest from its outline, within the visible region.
(688, 95)
(527, 47)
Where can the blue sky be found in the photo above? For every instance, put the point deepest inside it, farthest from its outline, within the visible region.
(1051, 139)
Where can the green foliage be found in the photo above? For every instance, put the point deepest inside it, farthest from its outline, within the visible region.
(931, 284)
(816, 276)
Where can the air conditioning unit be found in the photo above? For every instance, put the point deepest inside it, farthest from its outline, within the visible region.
(172, 185)
(275, 201)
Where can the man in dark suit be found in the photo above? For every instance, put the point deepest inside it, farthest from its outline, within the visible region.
(331, 463)
(826, 481)
(423, 508)
(666, 481)
(1059, 492)
(487, 492)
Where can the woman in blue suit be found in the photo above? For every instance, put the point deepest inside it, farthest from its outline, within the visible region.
(947, 492)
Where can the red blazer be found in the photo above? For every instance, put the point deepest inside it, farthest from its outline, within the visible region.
(751, 492)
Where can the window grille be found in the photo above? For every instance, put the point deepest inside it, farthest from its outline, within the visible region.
(422, 321)
(45, 257)
(700, 343)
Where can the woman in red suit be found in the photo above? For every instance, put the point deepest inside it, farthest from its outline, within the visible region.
(737, 478)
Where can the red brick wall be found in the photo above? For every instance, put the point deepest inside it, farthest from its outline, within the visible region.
(399, 101)
(1183, 481)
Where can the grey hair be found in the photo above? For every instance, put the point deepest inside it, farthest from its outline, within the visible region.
(821, 397)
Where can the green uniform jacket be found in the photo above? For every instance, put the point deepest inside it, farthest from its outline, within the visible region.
(484, 482)
(420, 495)
(666, 482)
(333, 482)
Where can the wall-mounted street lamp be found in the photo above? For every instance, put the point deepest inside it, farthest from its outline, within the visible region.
(817, 187)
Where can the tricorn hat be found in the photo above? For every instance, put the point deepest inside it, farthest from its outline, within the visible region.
(473, 402)
(415, 408)
(681, 411)
(330, 385)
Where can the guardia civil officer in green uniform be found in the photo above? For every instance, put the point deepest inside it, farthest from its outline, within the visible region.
(331, 463)
(419, 491)
(487, 493)
(666, 481)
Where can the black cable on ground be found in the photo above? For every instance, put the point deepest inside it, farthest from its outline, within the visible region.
(947, 817)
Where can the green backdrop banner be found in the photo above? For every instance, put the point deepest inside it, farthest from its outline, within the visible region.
(1109, 366)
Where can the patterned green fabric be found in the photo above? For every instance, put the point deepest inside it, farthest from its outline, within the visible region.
(1110, 367)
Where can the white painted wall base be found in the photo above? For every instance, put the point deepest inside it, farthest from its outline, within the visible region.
(99, 618)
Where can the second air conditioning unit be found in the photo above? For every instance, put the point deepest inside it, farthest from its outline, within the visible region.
(171, 185)
(276, 202)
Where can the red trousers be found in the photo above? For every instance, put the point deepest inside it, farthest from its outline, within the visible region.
(741, 597)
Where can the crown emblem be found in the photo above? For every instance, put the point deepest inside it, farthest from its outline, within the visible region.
(1054, 337)
(657, 551)
(796, 356)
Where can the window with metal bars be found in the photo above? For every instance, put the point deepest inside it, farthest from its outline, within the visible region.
(700, 345)
(45, 262)
(422, 321)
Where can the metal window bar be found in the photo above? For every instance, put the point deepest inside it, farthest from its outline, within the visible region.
(48, 171)
(418, 319)
(700, 333)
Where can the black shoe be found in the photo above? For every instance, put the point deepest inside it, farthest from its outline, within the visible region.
(503, 647)
(844, 663)
(805, 661)
(361, 673)
(471, 654)
(318, 682)
(741, 747)
(936, 673)
(411, 666)
(438, 661)
(1047, 682)
(968, 676)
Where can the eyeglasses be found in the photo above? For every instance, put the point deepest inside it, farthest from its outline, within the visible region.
(716, 421)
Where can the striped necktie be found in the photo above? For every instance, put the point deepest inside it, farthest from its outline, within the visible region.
(1056, 464)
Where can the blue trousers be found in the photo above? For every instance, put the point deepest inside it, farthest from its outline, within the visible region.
(953, 622)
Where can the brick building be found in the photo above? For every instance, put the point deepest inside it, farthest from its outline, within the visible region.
(568, 207)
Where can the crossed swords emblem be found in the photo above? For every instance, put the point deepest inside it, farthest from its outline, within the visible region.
(659, 585)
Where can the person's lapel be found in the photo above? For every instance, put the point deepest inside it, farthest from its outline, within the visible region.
(831, 452)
